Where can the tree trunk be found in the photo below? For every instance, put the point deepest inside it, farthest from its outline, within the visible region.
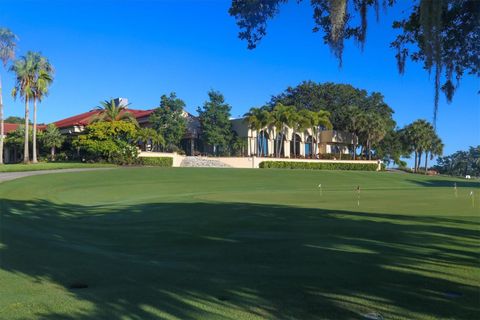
(368, 150)
(312, 147)
(281, 145)
(276, 144)
(26, 154)
(2, 130)
(255, 144)
(294, 145)
(52, 153)
(426, 162)
(34, 133)
(262, 146)
(415, 165)
(419, 159)
(354, 151)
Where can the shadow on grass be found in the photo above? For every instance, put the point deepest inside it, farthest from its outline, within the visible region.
(233, 260)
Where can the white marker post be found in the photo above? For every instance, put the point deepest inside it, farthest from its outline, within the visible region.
(472, 196)
(320, 187)
(455, 189)
(358, 196)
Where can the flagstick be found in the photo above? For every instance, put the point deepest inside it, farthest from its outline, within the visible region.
(358, 196)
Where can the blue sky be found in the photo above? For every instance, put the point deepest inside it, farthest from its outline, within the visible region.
(142, 49)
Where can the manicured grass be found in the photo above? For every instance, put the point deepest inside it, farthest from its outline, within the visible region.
(189, 243)
(49, 166)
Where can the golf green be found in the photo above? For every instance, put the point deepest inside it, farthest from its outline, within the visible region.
(191, 243)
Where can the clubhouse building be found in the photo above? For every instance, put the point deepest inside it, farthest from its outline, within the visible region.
(267, 142)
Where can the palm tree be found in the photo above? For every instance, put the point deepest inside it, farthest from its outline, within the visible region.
(354, 126)
(417, 135)
(264, 120)
(372, 129)
(278, 122)
(317, 121)
(145, 135)
(435, 148)
(281, 119)
(322, 121)
(7, 53)
(300, 125)
(157, 140)
(295, 119)
(52, 138)
(113, 111)
(24, 87)
(43, 78)
(252, 118)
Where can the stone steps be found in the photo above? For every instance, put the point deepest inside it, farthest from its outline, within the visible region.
(200, 162)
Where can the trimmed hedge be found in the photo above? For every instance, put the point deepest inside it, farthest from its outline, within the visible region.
(317, 165)
(156, 161)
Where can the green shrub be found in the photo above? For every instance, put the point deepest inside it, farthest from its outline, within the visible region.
(110, 142)
(317, 165)
(156, 161)
(328, 156)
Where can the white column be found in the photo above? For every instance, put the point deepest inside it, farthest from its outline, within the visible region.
(286, 148)
(251, 142)
(271, 142)
(271, 146)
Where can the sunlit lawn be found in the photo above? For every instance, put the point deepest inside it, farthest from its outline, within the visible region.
(152, 243)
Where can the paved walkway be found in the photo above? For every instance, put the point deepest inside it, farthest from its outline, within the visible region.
(6, 176)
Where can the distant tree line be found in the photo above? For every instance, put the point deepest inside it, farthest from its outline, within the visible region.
(460, 163)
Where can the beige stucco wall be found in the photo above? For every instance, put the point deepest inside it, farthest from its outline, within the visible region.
(248, 162)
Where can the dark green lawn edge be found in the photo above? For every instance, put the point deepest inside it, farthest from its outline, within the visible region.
(50, 166)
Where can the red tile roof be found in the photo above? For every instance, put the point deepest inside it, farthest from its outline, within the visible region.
(78, 120)
(85, 118)
(9, 127)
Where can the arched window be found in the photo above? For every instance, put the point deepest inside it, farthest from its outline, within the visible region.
(279, 145)
(295, 145)
(309, 146)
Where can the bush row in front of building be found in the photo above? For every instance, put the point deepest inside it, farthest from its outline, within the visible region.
(156, 161)
(317, 166)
